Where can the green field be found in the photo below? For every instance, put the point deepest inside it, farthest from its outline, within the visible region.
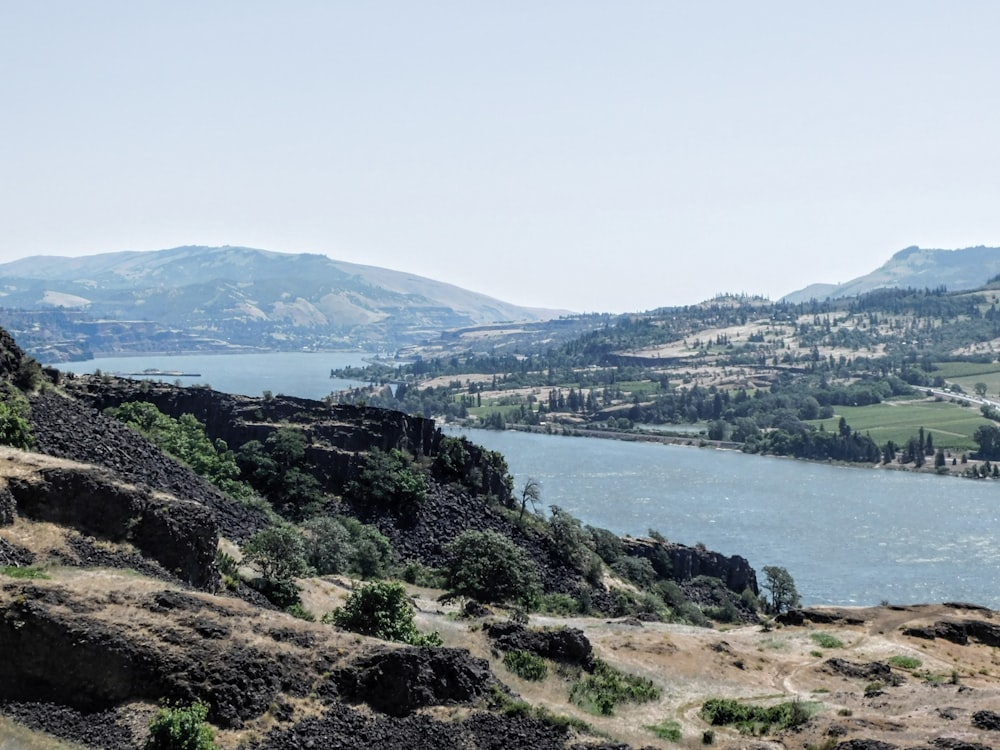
(950, 424)
(967, 374)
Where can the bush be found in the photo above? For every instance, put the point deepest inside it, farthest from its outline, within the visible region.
(526, 665)
(381, 610)
(608, 687)
(668, 729)
(15, 430)
(181, 728)
(825, 640)
(489, 567)
(186, 440)
(390, 481)
(755, 719)
(904, 662)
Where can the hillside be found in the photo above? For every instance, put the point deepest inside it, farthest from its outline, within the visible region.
(217, 297)
(127, 579)
(914, 267)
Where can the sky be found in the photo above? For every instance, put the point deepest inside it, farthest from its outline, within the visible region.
(589, 156)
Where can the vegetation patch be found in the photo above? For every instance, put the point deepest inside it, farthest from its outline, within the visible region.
(756, 720)
(28, 572)
(381, 610)
(181, 728)
(600, 692)
(904, 662)
(526, 665)
(825, 640)
(668, 729)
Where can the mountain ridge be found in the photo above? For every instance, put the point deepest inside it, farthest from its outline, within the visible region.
(255, 297)
(958, 270)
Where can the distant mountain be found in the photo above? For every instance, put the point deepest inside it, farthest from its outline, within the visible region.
(915, 267)
(251, 297)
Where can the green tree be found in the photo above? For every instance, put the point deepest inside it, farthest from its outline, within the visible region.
(489, 567)
(988, 438)
(980, 389)
(388, 480)
(181, 728)
(327, 545)
(778, 581)
(278, 552)
(381, 610)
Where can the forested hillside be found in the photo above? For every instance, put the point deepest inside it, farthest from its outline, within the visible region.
(773, 377)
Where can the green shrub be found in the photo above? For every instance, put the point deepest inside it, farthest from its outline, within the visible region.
(559, 604)
(608, 687)
(489, 567)
(750, 719)
(297, 610)
(381, 610)
(388, 480)
(526, 665)
(904, 662)
(278, 552)
(185, 439)
(15, 429)
(668, 729)
(825, 640)
(181, 728)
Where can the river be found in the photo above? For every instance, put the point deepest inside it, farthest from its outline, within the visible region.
(848, 536)
(305, 374)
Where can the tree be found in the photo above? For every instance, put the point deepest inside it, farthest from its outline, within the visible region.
(278, 552)
(980, 389)
(388, 480)
(381, 610)
(531, 493)
(778, 581)
(489, 567)
(988, 437)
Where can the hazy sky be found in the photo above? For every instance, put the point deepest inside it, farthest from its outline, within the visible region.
(594, 156)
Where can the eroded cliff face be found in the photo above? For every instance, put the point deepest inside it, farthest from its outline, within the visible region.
(106, 640)
(686, 563)
(181, 535)
(338, 434)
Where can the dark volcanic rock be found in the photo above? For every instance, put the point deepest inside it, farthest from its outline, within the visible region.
(960, 632)
(865, 745)
(398, 681)
(819, 616)
(568, 645)
(56, 649)
(104, 729)
(67, 429)
(989, 720)
(14, 556)
(873, 670)
(343, 728)
(690, 562)
(181, 536)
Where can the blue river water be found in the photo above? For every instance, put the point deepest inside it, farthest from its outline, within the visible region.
(848, 536)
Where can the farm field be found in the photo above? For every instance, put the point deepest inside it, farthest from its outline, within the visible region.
(950, 424)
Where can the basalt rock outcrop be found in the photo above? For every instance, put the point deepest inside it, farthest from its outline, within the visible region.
(338, 433)
(566, 645)
(180, 535)
(684, 563)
